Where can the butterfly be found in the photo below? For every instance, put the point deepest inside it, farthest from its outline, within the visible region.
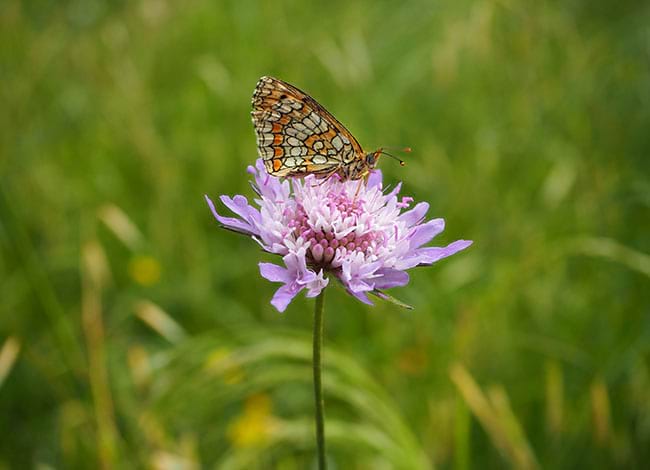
(296, 136)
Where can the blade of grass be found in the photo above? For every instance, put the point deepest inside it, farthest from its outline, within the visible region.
(159, 321)
(93, 276)
(8, 356)
(497, 419)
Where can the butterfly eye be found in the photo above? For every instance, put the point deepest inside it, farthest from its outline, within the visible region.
(370, 159)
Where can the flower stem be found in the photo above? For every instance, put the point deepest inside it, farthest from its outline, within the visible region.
(318, 389)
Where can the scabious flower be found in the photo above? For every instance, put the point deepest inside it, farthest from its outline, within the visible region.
(363, 236)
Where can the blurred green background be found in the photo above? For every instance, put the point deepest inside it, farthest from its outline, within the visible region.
(134, 333)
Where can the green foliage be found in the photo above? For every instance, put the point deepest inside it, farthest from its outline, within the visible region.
(135, 333)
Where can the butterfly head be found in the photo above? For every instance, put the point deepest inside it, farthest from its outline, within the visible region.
(371, 159)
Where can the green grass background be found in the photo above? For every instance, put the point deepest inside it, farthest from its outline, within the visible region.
(136, 334)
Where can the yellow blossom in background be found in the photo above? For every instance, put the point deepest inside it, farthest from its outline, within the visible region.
(145, 270)
(255, 425)
(218, 362)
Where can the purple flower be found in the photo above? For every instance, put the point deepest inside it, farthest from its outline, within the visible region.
(366, 239)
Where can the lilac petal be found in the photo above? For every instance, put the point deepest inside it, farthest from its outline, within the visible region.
(306, 277)
(363, 271)
(374, 179)
(415, 215)
(393, 193)
(278, 248)
(315, 287)
(239, 205)
(236, 225)
(425, 232)
(412, 260)
(357, 285)
(391, 278)
(268, 186)
(360, 296)
(211, 205)
(236, 204)
(259, 164)
(230, 222)
(293, 260)
(265, 183)
(432, 254)
(354, 274)
(274, 273)
(283, 296)
(297, 265)
(395, 190)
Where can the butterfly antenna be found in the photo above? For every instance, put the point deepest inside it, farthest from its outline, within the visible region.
(398, 149)
(405, 150)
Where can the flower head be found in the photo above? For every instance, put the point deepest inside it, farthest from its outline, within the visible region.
(355, 232)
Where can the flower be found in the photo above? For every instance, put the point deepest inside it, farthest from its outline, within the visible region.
(145, 270)
(256, 425)
(353, 231)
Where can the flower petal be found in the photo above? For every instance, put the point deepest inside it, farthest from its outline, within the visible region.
(297, 267)
(361, 296)
(356, 274)
(430, 255)
(239, 205)
(395, 191)
(425, 232)
(269, 186)
(415, 215)
(231, 223)
(390, 278)
(274, 273)
(374, 179)
(283, 297)
(412, 260)
(317, 285)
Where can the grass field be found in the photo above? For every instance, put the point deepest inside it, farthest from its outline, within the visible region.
(134, 333)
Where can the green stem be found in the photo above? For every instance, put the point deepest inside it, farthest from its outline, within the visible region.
(318, 388)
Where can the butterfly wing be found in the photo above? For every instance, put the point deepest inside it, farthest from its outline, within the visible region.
(296, 136)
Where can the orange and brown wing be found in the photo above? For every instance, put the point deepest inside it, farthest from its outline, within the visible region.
(296, 136)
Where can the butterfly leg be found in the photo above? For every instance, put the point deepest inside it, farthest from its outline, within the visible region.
(328, 175)
(356, 193)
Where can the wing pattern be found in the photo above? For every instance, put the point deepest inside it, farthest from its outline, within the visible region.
(296, 136)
